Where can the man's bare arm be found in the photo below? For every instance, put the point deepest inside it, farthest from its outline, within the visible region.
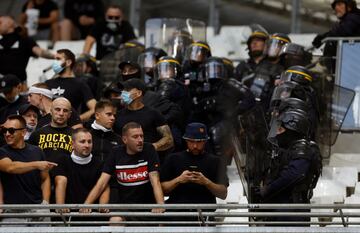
(40, 52)
(45, 185)
(15, 167)
(167, 141)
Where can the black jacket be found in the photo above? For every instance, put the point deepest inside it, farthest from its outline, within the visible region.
(103, 142)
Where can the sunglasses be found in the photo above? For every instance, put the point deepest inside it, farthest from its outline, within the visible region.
(3, 130)
(113, 17)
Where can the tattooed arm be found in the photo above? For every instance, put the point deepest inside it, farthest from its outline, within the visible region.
(167, 141)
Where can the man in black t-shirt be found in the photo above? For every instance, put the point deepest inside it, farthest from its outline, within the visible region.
(135, 166)
(194, 176)
(68, 86)
(10, 87)
(109, 34)
(15, 50)
(77, 175)
(24, 173)
(55, 139)
(156, 130)
(41, 97)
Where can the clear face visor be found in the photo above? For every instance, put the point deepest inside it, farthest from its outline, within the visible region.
(280, 93)
(215, 70)
(80, 68)
(274, 47)
(179, 46)
(147, 60)
(275, 125)
(198, 53)
(166, 70)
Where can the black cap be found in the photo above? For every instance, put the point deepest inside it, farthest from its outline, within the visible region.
(26, 107)
(8, 82)
(134, 83)
(196, 132)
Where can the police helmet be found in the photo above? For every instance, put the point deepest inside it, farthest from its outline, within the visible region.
(214, 69)
(275, 44)
(298, 74)
(229, 67)
(259, 35)
(150, 57)
(168, 68)
(198, 52)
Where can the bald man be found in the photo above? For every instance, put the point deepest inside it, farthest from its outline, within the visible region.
(55, 139)
(15, 50)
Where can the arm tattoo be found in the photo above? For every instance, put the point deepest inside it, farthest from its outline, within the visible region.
(166, 142)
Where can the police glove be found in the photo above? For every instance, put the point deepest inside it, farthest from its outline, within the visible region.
(318, 41)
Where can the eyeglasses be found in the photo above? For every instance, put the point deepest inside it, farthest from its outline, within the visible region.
(3, 130)
(113, 17)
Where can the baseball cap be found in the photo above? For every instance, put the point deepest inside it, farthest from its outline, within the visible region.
(196, 132)
(8, 82)
(26, 107)
(134, 83)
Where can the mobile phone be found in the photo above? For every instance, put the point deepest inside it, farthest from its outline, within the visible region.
(193, 168)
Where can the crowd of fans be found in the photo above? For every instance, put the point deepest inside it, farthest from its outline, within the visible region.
(161, 125)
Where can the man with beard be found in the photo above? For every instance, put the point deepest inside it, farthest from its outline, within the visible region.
(135, 166)
(68, 86)
(194, 175)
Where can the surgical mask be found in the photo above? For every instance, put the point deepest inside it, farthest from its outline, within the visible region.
(125, 96)
(113, 25)
(57, 67)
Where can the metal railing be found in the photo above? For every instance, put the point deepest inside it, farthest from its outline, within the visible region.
(195, 215)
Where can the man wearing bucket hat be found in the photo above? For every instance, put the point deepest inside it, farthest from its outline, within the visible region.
(194, 175)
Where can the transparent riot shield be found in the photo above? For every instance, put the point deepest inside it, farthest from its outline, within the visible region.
(109, 71)
(253, 150)
(335, 102)
(173, 35)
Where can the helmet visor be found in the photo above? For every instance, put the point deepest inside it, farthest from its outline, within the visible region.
(215, 70)
(166, 70)
(274, 47)
(198, 52)
(147, 60)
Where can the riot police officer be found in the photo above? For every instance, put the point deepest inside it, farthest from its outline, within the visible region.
(296, 163)
(256, 45)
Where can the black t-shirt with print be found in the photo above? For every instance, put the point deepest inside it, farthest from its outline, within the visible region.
(81, 178)
(55, 142)
(73, 89)
(211, 166)
(132, 174)
(44, 9)
(147, 117)
(15, 52)
(22, 188)
(108, 41)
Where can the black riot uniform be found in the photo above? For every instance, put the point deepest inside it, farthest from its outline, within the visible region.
(296, 163)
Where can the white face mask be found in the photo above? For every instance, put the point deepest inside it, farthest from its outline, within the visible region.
(113, 24)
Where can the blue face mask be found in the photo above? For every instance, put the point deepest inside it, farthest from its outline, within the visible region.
(57, 67)
(125, 96)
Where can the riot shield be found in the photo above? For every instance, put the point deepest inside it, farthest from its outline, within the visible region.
(253, 150)
(109, 71)
(335, 102)
(173, 35)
